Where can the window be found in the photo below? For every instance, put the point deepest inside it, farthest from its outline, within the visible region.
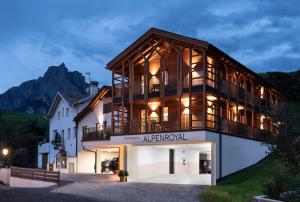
(63, 136)
(142, 84)
(165, 114)
(58, 115)
(84, 129)
(74, 132)
(67, 112)
(166, 75)
(69, 133)
(63, 112)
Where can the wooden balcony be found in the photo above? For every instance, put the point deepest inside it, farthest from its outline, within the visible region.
(96, 134)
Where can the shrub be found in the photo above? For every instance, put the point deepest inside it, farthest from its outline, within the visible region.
(123, 173)
(277, 186)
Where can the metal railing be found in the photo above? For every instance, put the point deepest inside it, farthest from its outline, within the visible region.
(96, 133)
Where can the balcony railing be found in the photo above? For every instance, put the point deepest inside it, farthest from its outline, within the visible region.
(243, 130)
(96, 133)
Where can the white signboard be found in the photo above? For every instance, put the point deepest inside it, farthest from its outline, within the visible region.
(159, 138)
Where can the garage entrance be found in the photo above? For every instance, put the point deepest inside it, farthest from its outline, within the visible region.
(173, 164)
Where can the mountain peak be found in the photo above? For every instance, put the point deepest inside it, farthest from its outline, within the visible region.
(36, 95)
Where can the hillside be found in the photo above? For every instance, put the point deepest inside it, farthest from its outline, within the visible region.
(21, 118)
(288, 82)
(35, 96)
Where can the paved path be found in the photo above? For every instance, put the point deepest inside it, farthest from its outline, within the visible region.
(8, 194)
(134, 192)
(92, 188)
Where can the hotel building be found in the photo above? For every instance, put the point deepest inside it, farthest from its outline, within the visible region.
(181, 111)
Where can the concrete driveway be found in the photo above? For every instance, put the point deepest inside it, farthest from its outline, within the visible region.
(92, 188)
(107, 188)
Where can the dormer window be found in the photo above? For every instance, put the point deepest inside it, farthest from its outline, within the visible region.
(63, 112)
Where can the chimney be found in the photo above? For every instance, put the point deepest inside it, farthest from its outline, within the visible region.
(93, 88)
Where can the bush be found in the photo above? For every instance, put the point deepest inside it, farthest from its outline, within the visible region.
(123, 173)
(277, 186)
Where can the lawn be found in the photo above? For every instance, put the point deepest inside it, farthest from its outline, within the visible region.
(21, 118)
(244, 185)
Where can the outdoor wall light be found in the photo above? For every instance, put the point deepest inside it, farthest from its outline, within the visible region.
(5, 152)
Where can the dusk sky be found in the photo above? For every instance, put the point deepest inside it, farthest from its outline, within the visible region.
(85, 35)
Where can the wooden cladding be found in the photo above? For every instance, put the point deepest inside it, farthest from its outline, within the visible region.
(201, 87)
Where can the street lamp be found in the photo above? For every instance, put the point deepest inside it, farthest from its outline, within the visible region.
(5, 152)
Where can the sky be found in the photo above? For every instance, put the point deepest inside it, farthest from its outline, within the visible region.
(85, 35)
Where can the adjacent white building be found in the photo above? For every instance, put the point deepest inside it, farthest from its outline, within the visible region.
(61, 151)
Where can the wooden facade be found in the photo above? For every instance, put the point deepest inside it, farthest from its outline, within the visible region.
(167, 82)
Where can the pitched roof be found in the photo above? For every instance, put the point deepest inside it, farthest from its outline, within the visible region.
(157, 32)
(69, 97)
(99, 96)
(186, 40)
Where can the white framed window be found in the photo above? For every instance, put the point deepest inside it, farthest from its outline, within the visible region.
(58, 115)
(63, 136)
(74, 132)
(69, 133)
(63, 112)
(67, 112)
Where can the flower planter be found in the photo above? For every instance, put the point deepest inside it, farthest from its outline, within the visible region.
(123, 178)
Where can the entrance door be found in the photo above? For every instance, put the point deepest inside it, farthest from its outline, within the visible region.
(171, 161)
(71, 167)
(44, 161)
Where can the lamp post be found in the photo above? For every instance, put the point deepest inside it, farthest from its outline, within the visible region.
(5, 153)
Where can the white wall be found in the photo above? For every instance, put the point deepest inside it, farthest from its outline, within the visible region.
(146, 161)
(27, 183)
(86, 162)
(4, 175)
(239, 153)
(64, 123)
(93, 117)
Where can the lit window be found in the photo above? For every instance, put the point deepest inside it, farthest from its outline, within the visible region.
(166, 114)
(166, 75)
(142, 84)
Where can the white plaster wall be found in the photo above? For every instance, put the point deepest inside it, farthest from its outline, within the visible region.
(4, 175)
(86, 162)
(42, 148)
(144, 162)
(27, 183)
(64, 123)
(239, 153)
(93, 117)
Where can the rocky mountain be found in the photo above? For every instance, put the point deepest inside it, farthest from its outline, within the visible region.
(288, 82)
(35, 96)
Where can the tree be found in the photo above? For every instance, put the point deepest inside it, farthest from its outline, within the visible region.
(286, 143)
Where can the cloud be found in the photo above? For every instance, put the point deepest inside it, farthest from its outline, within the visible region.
(264, 35)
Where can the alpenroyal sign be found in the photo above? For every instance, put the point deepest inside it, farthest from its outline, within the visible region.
(159, 138)
(164, 137)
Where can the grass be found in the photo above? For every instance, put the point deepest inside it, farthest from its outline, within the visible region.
(21, 118)
(244, 185)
